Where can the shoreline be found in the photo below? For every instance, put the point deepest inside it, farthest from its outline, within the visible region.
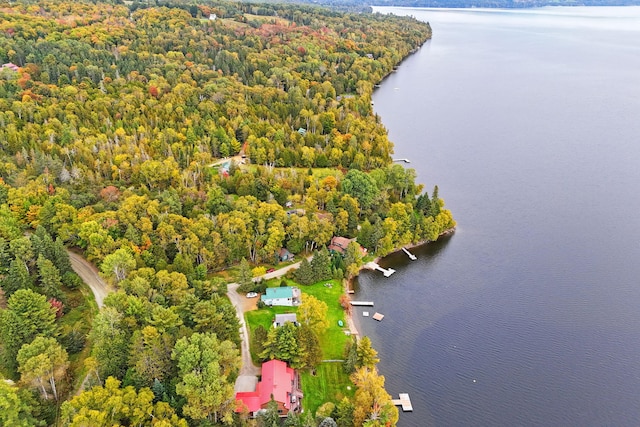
(409, 246)
(352, 321)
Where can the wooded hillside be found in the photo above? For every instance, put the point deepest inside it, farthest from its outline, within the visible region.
(113, 123)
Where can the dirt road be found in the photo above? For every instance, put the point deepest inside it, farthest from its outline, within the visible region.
(89, 275)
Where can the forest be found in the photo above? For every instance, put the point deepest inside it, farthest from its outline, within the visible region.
(176, 146)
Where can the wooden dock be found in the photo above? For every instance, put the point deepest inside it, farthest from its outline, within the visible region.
(411, 256)
(404, 401)
(386, 272)
(362, 303)
(378, 316)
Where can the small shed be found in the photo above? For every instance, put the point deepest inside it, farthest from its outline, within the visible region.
(284, 255)
(281, 319)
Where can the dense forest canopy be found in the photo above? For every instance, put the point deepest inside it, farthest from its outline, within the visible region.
(168, 143)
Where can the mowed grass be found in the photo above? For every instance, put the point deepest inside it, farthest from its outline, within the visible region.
(329, 384)
(334, 339)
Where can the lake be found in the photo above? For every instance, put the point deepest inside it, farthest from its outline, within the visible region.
(529, 315)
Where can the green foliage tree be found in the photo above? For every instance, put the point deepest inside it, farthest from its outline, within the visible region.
(112, 405)
(351, 356)
(312, 313)
(118, 264)
(110, 342)
(150, 355)
(360, 186)
(310, 346)
(269, 417)
(41, 361)
(16, 278)
(207, 369)
(16, 407)
(50, 280)
(344, 413)
(245, 279)
(353, 259)
(282, 344)
(367, 356)
(28, 315)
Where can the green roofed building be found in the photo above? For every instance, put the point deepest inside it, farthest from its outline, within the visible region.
(285, 295)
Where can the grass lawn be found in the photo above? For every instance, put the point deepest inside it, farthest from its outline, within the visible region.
(330, 384)
(334, 338)
(78, 318)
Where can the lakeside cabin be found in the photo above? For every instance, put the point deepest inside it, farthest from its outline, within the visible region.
(339, 245)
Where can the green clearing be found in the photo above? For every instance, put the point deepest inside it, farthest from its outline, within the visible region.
(330, 384)
(79, 318)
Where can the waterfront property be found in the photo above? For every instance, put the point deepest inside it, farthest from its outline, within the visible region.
(278, 382)
(339, 244)
(285, 295)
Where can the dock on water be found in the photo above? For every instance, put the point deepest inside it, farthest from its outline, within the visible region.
(385, 271)
(362, 303)
(404, 402)
(411, 256)
(378, 316)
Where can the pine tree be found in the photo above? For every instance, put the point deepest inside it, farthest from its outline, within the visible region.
(321, 265)
(304, 274)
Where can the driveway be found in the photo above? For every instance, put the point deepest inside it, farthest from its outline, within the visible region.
(89, 275)
(247, 379)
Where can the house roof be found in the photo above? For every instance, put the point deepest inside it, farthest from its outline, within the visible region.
(284, 251)
(11, 66)
(280, 292)
(281, 319)
(277, 380)
(339, 244)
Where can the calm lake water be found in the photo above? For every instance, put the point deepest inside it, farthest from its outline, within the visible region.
(529, 315)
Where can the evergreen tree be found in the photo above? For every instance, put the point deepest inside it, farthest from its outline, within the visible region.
(310, 345)
(28, 315)
(16, 278)
(351, 356)
(244, 276)
(50, 280)
(304, 274)
(321, 265)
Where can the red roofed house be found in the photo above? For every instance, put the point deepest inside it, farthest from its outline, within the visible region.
(11, 66)
(339, 244)
(278, 381)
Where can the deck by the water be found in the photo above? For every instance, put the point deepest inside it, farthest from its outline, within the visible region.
(362, 303)
(404, 402)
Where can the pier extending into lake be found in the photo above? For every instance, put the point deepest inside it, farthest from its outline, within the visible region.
(411, 256)
(385, 271)
(404, 402)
